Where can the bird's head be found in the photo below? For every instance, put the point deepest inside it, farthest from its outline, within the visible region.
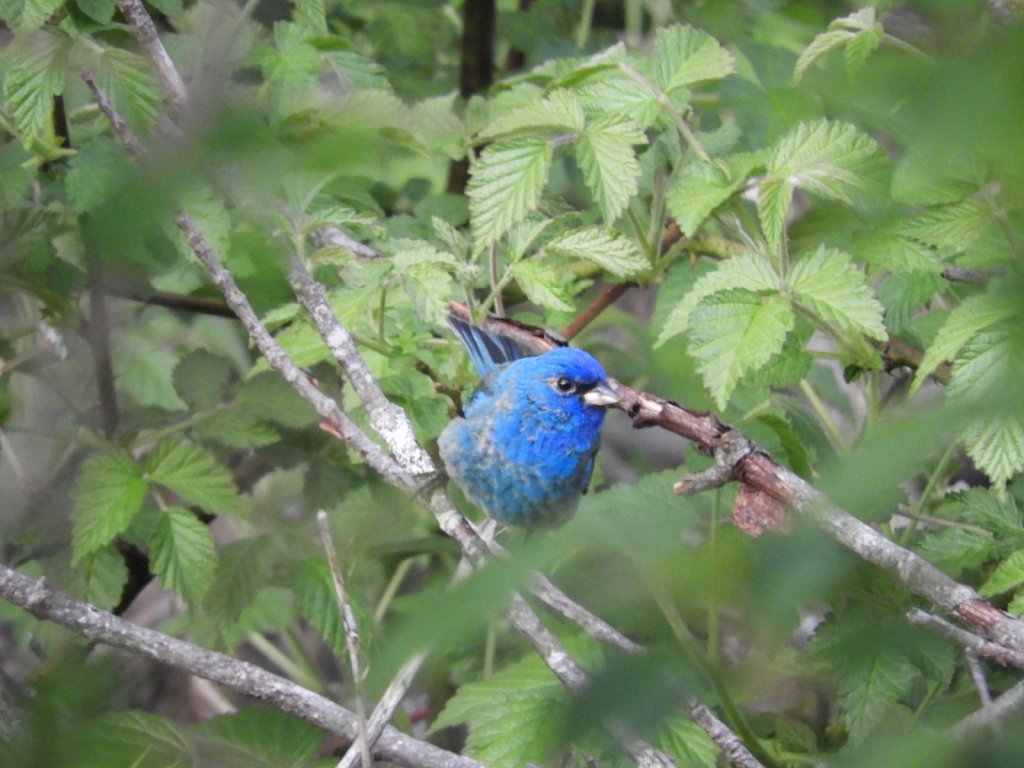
(573, 374)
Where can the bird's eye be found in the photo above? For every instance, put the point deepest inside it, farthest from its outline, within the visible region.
(565, 385)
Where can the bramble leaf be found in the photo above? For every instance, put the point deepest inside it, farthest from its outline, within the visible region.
(193, 474)
(506, 185)
(182, 554)
(617, 254)
(1008, 575)
(605, 154)
(108, 495)
(684, 56)
(734, 332)
(829, 285)
(541, 285)
(700, 187)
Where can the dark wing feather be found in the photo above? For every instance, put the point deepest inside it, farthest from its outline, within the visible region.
(486, 350)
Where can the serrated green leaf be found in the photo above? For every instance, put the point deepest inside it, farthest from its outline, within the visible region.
(310, 15)
(438, 127)
(95, 173)
(973, 315)
(182, 554)
(865, 697)
(101, 11)
(145, 370)
(514, 718)
(829, 159)
(615, 253)
(541, 285)
(429, 286)
(956, 550)
(258, 737)
(559, 112)
(986, 508)
(903, 293)
(613, 93)
(237, 427)
(996, 445)
(955, 225)
(861, 33)
(35, 74)
(303, 344)
(684, 740)
(751, 272)
(734, 332)
(195, 475)
(244, 567)
(684, 56)
(605, 154)
(134, 738)
(318, 604)
(891, 250)
(105, 574)
(293, 62)
(26, 15)
(1008, 575)
(108, 495)
(829, 285)
(127, 79)
(201, 379)
(700, 187)
(1016, 605)
(356, 71)
(506, 185)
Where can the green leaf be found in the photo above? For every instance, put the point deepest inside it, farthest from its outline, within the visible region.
(890, 250)
(356, 71)
(35, 74)
(867, 696)
(615, 253)
(258, 737)
(25, 15)
(699, 187)
(133, 738)
(684, 740)
(105, 575)
(684, 56)
(541, 285)
(829, 285)
(955, 225)
(244, 567)
(95, 173)
(605, 154)
(613, 93)
(318, 604)
(182, 554)
(144, 370)
(829, 159)
(194, 475)
(973, 315)
(108, 495)
(127, 79)
(861, 33)
(956, 550)
(201, 379)
(310, 15)
(238, 426)
(751, 272)
(514, 718)
(1008, 575)
(996, 445)
(506, 185)
(560, 112)
(101, 11)
(734, 332)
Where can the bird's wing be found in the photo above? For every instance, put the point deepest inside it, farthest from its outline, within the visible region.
(486, 350)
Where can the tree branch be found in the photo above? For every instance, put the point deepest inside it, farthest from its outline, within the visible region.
(145, 32)
(47, 604)
(719, 732)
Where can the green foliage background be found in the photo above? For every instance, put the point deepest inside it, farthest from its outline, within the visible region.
(821, 204)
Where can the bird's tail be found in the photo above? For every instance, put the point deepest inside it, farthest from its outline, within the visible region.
(486, 350)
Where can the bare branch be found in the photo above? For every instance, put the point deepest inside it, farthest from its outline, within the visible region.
(992, 715)
(605, 299)
(333, 237)
(388, 420)
(352, 641)
(978, 677)
(986, 649)
(719, 732)
(240, 676)
(145, 32)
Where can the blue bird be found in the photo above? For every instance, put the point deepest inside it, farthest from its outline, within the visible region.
(524, 450)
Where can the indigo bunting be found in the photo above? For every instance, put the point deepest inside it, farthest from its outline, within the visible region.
(524, 451)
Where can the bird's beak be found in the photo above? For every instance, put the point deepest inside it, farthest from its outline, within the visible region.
(601, 396)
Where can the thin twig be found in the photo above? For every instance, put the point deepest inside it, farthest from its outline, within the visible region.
(201, 305)
(334, 237)
(605, 299)
(992, 715)
(145, 32)
(719, 732)
(240, 676)
(352, 641)
(978, 677)
(986, 649)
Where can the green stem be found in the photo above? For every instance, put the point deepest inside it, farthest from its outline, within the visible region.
(282, 661)
(823, 417)
(906, 47)
(638, 230)
(392, 588)
(586, 20)
(490, 647)
(937, 476)
(691, 648)
(713, 642)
